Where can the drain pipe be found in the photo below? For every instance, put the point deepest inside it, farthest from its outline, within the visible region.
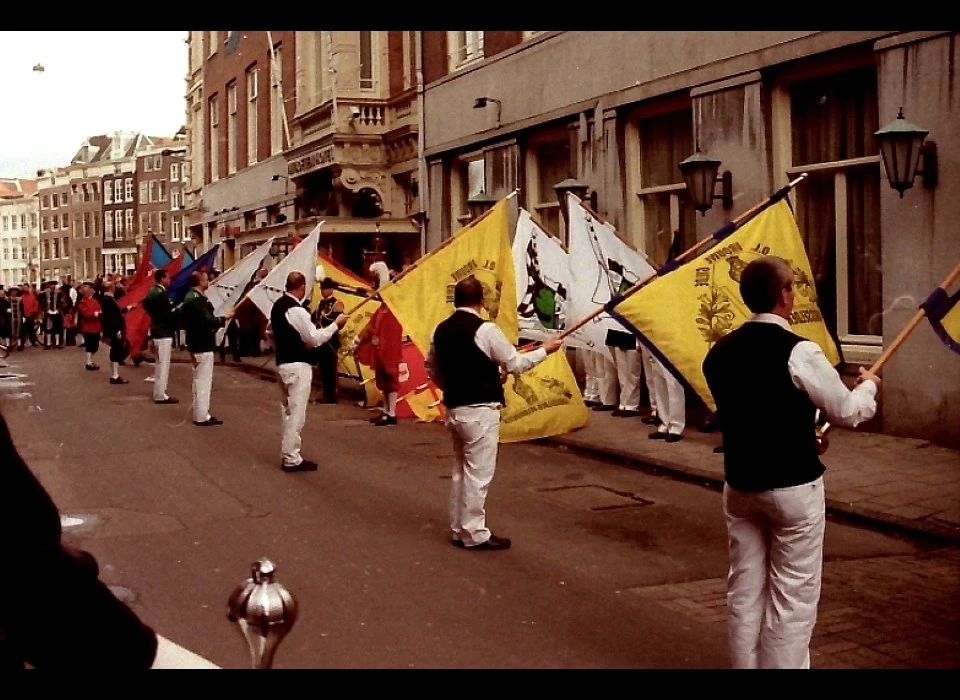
(421, 161)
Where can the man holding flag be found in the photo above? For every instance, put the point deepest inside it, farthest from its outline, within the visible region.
(162, 329)
(465, 360)
(767, 383)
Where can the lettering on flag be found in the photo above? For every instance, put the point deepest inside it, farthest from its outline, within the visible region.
(681, 315)
(542, 401)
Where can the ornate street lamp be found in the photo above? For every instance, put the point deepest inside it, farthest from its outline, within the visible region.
(902, 147)
(700, 176)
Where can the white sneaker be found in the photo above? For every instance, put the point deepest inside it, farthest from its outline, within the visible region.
(149, 379)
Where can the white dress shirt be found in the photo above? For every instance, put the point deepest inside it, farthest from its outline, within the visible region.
(494, 344)
(298, 317)
(812, 373)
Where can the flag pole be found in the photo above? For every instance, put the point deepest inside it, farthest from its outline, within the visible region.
(726, 230)
(433, 252)
(914, 322)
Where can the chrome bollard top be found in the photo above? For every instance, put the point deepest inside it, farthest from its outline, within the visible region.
(264, 610)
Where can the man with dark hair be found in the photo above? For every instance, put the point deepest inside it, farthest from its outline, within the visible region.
(163, 325)
(51, 304)
(327, 311)
(295, 335)
(768, 383)
(466, 359)
(114, 331)
(201, 326)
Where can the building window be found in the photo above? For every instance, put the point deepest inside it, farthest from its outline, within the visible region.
(152, 191)
(831, 124)
(128, 221)
(56, 248)
(13, 223)
(548, 161)
(117, 191)
(45, 249)
(143, 193)
(33, 220)
(176, 199)
(366, 61)
(231, 128)
(108, 226)
(176, 227)
(6, 223)
(128, 189)
(118, 224)
(45, 202)
(145, 222)
(465, 47)
(409, 60)
(174, 172)
(44, 224)
(63, 199)
(198, 148)
(276, 103)
(107, 193)
(214, 140)
(55, 223)
(472, 180)
(323, 84)
(662, 205)
(252, 116)
(213, 38)
(65, 221)
(163, 190)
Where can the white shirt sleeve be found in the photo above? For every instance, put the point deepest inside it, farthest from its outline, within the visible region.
(299, 318)
(813, 373)
(494, 344)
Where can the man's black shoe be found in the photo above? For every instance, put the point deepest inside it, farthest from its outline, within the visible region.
(458, 543)
(118, 380)
(674, 437)
(304, 466)
(493, 543)
(627, 413)
(384, 419)
(209, 421)
(167, 401)
(657, 436)
(650, 420)
(92, 367)
(603, 407)
(590, 403)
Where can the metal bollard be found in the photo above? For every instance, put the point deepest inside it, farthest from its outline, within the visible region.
(264, 611)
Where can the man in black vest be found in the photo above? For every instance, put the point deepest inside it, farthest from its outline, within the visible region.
(51, 304)
(465, 361)
(295, 336)
(768, 383)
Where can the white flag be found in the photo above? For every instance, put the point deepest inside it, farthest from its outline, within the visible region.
(227, 288)
(303, 259)
(602, 265)
(543, 283)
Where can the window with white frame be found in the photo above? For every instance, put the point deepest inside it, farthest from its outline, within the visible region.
(44, 224)
(118, 223)
(464, 48)
(252, 88)
(143, 192)
(33, 220)
(831, 122)
(45, 249)
(6, 223)
(107, 193)
(56, 248)
(63, 199)
(128, 189)
(147, 164)
(108, 226)
(65, 221)
(55, 223)
(471, 174)
(128, 221)
(145, 222)
(152, 191)
(214, 118)
(117, 191)
(176, 228)
(213, 39)
(232, 128)
(163, 190)
(174, 172)
(367, 59)
(14, 222)
(176, 198)
(276, 102)
(152, 224)
(45, 202)
(65, 247)
(163, 223)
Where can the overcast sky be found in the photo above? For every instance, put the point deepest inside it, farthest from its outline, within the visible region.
(92, 83)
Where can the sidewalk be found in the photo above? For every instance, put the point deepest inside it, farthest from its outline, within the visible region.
(886, 482)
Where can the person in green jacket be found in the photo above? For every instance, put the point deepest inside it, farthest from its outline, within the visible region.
(201, 326)
(162, 328)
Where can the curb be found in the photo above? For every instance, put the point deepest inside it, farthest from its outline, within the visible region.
(938, 532)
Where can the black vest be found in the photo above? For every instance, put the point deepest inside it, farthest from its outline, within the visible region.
(767, 423)
(469, 376)
(290, 346)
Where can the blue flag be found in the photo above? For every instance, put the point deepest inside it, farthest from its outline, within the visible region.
(180, 284)
(159, 256)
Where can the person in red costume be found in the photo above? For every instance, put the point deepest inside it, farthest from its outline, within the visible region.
(378, 346)
(89, 312)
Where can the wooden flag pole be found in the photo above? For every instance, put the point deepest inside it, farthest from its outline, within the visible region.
(749, 214)
(433, 252)
(908, 329)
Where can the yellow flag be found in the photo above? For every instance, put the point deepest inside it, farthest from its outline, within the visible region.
(684, 312)
(541, 402)
(426, 404)
(423, 297)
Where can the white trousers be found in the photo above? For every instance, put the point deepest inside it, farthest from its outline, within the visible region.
(161, 372)
(591, 371)
(608, 384)
(773, 587)
(476, 436)
(629, 369)
(296, 380)
(202, 385)
(649, 368)
(671, 402)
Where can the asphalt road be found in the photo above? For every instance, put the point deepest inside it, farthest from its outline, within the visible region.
(611, 567)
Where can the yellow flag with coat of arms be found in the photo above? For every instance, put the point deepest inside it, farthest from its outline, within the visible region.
(543, 401)
(683, 313)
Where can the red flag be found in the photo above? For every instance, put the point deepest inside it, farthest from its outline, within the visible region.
(136, 319)
(412, 379)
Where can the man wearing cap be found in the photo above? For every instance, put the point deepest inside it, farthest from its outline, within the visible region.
(295, 336)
